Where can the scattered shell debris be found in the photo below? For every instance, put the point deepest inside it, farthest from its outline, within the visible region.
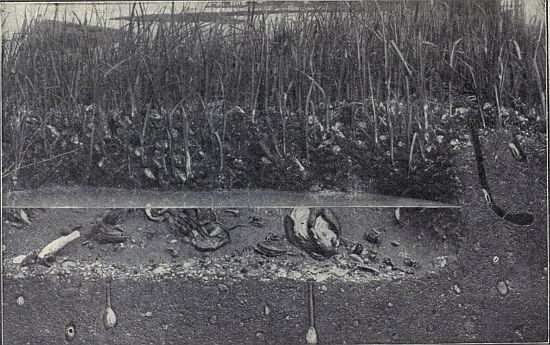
(229, 267)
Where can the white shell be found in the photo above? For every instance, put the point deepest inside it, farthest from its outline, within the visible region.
(300, 217)
(311, 335)
(54, 246)
(323, 235)
(109, 318)
(20, 300)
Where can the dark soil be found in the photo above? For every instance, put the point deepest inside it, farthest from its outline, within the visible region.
(221, 297)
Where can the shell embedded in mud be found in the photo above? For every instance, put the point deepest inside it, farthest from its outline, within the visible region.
(315, 230)
(20, 300)
(70, 332)
(271, 248)
(109, 318)
(103, 234)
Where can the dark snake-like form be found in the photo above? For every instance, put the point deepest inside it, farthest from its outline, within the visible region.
(514, 218)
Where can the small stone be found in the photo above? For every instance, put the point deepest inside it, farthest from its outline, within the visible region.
(20, 300)
(456, 288)
(410, 263)
(390, 304)
(440, 261)
(267, 310)
(342, 290)
(355, 323)
(477, 246)
(160, 270)
(173, 241)
(213, 320)
(496, 259)
(545, 271)
(68, 264)
(502, 288)
(223, 288)
(295, 275)
(395, 243)
(3, 247)
(148, 314)
(288, 318)
(260, 335)
(324, 288)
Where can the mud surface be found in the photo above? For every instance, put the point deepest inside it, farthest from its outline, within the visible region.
(235, 295)
(82, 196)
(492, 287)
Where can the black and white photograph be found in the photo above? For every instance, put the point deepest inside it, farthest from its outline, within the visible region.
(275, 172)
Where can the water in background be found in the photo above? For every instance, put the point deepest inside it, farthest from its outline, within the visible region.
(13, 14)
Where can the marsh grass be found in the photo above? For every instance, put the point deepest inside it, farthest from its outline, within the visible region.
(187, 87)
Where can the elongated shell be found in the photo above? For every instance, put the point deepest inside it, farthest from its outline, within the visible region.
(54, 246)
(109, 318)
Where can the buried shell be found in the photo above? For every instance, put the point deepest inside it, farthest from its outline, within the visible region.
(270, 248)
(70, 332)
(108, 234)
(209, 243)
(316, 230)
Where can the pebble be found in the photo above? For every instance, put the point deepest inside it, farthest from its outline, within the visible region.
(440, 261)
(324, 288)
(260, 335)
(545, 271)
(456, 288)
(267, 310)
(502, 288)
(68, 264)
(223, 288)
(213, 320)
(20, 300)
(496, 259)
(148, 314)
(295, 275)
(160, 270)
(355, 323)
(342, 290)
